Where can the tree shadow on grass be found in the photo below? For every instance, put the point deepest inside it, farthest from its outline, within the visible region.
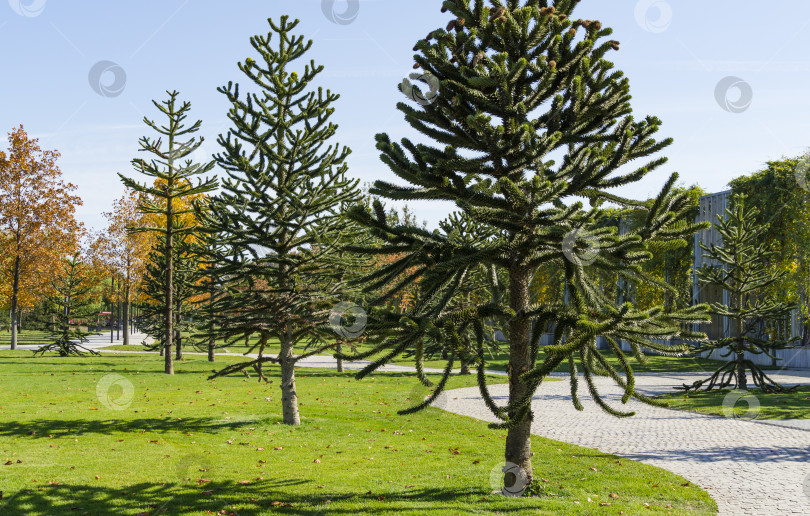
(44, 428)
(257, 497)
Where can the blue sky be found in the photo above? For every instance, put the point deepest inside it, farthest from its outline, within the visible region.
(674, 52)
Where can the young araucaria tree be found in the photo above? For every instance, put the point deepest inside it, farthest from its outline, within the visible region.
(527, 117)
(71, 305)
(169, 195)
(740, 267)
(278, 212)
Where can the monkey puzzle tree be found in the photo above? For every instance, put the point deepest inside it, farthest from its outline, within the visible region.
(740, 267)
(72, 301)
(278, 211)
(173, 184)
(529, 118)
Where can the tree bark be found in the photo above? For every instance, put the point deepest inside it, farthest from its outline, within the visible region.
(169, 293)
(518, 438)
(465, 367)
(126, 314)
(289, 397)
(211, 340)
(742, 381)
(179, 337)
(339, 349)
(15, 288)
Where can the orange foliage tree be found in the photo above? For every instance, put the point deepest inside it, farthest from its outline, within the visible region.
(36, 220)
(122, 251)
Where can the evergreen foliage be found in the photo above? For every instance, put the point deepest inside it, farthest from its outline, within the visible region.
(72, 303)
(274, 229)
(530, 118)
(739, 267)
(168, 197)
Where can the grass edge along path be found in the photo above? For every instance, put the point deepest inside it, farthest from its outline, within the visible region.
(738, 404)
(74, 439)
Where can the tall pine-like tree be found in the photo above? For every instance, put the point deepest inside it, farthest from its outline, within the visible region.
(739, 266)
(529, 118)
(72, 304)
(278, 211)
(168, 196)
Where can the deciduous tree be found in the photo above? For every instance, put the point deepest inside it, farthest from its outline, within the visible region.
(125, 251)
(36, 216)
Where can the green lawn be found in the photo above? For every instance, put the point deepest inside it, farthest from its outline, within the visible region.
(787, 405)
(498, 362)
(27, 337)
(190, 446)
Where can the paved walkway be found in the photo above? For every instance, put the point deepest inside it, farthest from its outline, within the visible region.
(749, 468)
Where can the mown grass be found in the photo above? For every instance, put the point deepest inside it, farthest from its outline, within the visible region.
(754, 405)
(498, 361)
(185, 445)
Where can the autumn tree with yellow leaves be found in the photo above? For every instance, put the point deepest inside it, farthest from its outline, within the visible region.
(122, 251)
(37, 221)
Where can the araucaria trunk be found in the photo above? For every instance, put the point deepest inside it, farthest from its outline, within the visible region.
(289, 397)
(518, 438)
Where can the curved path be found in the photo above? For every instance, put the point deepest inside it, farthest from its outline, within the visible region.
(749, 467)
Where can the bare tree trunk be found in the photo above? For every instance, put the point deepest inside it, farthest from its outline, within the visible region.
(169, 356)
(465, 367)
(518, 438)
(126, 314)
(179, 338)
(211, 339)
(289, 397)
(15, 288)
(742, 381)
(339, 349)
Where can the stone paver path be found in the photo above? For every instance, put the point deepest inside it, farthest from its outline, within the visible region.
(749, 468)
